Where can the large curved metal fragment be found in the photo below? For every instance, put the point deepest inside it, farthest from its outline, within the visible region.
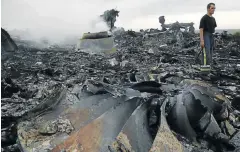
(96, 43)
(178, 119)
(205, 88)
(135, 136)
(30, 129)
(165, 141)
(194, 109)
(102, 117)
(7, 43)
(206, 101)
(101, 132)
(65, 118)
(209, 97)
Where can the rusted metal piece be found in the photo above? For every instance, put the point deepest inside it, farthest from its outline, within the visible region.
(135, 136)
(165, 141)
(88, 139)
(101, 132)
(90, 108)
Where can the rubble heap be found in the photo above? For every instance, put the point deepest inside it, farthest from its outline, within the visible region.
(30, 76)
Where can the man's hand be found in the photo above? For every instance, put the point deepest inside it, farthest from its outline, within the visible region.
(202, 44)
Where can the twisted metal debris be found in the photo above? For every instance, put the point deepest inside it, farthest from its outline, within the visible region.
(62, 99)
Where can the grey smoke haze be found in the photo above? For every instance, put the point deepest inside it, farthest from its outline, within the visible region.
(56, 19)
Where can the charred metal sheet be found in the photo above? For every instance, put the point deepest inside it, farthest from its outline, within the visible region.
(95, 87)
(49, 103)
(148, 86)
(207, 101)
(82, 113)
(205, 88)
(179, 121)
(165, 141)
(193, 107)
(101, 132)
(135, 136)
(212, 92)
(212, 128)
(66, 118)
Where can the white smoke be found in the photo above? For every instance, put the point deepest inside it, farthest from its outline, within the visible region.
(55, 20)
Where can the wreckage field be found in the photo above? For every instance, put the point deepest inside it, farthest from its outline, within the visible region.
(145, 93)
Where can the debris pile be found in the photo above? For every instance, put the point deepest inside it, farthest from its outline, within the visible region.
(139, 78)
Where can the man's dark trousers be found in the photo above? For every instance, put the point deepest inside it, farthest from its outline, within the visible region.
(207, 53)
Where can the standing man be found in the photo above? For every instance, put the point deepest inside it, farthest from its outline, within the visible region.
(207, 28)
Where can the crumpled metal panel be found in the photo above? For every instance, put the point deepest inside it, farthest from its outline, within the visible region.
(33, 130)
(67, 117)
(196, 99)
(179, 121)
(97, 46)
(165, 141)
(103, 117)
(135, 136)
(205, 88)
(101, 132)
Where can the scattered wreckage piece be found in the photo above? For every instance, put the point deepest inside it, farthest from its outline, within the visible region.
(73, 113)
(137, 139)
(104, 117)
(100, 132)
(178, 26)
(165, 140)
(202, 108)
(97, 43)
(33, 69)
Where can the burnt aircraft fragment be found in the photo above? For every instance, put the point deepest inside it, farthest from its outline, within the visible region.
(128, 87)
(103, 117)
(96, 43)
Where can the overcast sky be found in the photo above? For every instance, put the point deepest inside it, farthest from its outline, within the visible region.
(63, 17)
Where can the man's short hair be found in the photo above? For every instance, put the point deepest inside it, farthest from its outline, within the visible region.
(209, 5)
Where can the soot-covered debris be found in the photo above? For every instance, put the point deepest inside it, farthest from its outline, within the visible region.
(30, 75)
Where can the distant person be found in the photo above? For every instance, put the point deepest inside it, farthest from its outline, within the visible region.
(207, 28)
